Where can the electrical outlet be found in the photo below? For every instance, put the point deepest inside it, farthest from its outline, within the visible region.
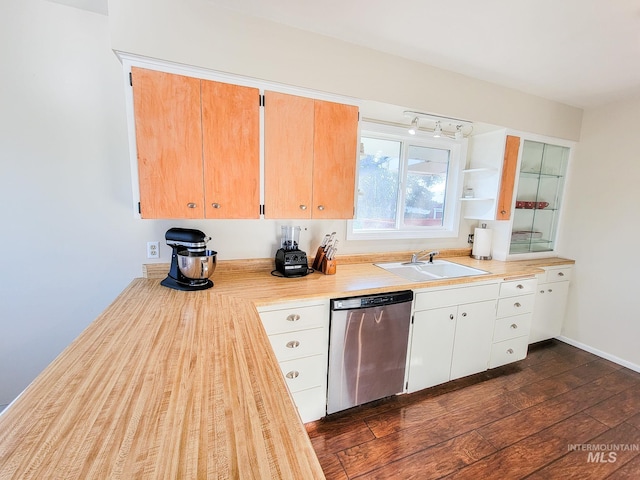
(153, 249)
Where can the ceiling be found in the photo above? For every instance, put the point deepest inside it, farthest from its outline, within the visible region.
(583, 53)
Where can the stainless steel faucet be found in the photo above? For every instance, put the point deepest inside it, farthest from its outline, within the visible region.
(418, 255)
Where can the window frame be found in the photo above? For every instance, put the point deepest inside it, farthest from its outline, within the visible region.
(452, 207)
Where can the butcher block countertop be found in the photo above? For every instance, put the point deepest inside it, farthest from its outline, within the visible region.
(167, 384)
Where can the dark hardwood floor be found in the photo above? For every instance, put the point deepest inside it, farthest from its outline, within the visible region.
(560, 413)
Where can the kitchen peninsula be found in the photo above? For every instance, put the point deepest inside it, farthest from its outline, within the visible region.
(170, 384)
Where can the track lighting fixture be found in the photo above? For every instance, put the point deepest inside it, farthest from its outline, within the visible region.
(441, 127)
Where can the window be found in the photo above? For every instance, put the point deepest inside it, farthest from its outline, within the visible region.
(408, 186)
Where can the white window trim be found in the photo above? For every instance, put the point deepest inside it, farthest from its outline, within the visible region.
(457, 163)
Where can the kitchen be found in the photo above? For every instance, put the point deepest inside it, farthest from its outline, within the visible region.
(66, 91)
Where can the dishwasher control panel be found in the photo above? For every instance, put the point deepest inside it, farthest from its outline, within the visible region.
(372, 300)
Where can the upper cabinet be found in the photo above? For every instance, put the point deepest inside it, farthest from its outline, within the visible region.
(520, 180)
(198, 146)
(310, 152)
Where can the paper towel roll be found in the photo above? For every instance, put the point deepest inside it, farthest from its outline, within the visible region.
(482, 243)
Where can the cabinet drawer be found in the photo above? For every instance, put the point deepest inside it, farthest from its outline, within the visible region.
(311, 403)
(304, 373)
(455, 296)
(558, 274)
(508, 351)
(304, 343)
(295, 318)
(515, 305)
(518, 287)
(511, 327)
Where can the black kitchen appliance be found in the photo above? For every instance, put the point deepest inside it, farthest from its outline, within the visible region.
(191, 263)
(291, 261)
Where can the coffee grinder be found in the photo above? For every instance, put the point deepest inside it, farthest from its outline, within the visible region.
(290, 261)
(191, 263)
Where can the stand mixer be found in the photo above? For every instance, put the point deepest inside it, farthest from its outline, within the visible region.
(191, 263)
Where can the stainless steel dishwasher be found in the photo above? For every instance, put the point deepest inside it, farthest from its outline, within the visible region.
(368, 342)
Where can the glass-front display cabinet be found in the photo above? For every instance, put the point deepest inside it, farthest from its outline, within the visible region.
(539, 193)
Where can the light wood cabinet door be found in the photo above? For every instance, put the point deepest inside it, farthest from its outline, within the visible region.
(335, 147)
(505, 196)
(231, 150)
(169, 144)
(288, 155)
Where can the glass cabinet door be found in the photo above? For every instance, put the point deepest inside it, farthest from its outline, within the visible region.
(540, 183)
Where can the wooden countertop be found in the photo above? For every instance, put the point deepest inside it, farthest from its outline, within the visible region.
(169, 384)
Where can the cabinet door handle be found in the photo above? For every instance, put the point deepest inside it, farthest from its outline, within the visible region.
(191, 205)
(215, 205)
(292, 374)
(451, 316)
(519, 286)
(560, 274)
(517, 305)
(294, 317)
(550, 290)
(320, 207)
(303, 207)
(541, 291)
(514, 326)
(503, 212)
(293, 344)
(464, 314)
(510, 351)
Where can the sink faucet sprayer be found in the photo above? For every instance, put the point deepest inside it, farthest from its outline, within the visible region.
(416, 256)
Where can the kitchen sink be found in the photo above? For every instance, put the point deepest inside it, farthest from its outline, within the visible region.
(421, 272)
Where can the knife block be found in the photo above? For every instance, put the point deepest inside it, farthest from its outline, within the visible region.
(321, 264)
(328, 267)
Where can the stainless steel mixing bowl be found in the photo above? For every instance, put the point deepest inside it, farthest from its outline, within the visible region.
(197, 265)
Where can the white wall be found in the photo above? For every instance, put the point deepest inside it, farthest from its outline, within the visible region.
(68, 240)
(196, 32)
(601, 232)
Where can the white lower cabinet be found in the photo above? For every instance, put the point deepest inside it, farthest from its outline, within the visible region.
(551, 303)
(513, 321)
(451, 334)
(299, 335)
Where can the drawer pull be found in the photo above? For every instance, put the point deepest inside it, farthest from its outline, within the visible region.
(517, 305)
(550, 290)
(541, 291)
(293, 344)
(215, 205)
(520, 286)
(191, 205)
(510, 351)
(303, 207)
(294, 317)
(292, 374)
(561, 274)
(464, 314)
(320, 207)
(514, 326)
(451, 316)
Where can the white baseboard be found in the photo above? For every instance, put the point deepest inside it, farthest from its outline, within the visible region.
(600, 353)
